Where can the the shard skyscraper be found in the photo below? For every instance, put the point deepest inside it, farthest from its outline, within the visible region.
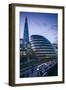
(26, 34)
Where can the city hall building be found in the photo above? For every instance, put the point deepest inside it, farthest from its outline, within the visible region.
(42, 47)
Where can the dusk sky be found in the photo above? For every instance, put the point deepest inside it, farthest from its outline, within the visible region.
(45, 24)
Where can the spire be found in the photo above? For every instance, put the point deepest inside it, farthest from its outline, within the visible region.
(26, 33)
(26, 18)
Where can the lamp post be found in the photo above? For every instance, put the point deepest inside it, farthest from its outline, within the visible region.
(38, 73)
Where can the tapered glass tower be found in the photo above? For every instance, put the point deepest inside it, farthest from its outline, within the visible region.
(26, 34)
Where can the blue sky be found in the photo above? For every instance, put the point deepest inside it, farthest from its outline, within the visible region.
(45, 24)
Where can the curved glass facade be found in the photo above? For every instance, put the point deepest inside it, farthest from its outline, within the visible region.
(42, 47)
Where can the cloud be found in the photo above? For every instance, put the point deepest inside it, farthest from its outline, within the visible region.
(54, 27)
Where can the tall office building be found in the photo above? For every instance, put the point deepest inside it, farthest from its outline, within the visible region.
(26, 34)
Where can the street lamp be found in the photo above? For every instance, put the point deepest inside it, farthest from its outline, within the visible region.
(38, 74)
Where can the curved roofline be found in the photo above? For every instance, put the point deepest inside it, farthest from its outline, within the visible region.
(43, 38)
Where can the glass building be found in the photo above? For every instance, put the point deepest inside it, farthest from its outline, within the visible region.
(25, 34)
(42, 47)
